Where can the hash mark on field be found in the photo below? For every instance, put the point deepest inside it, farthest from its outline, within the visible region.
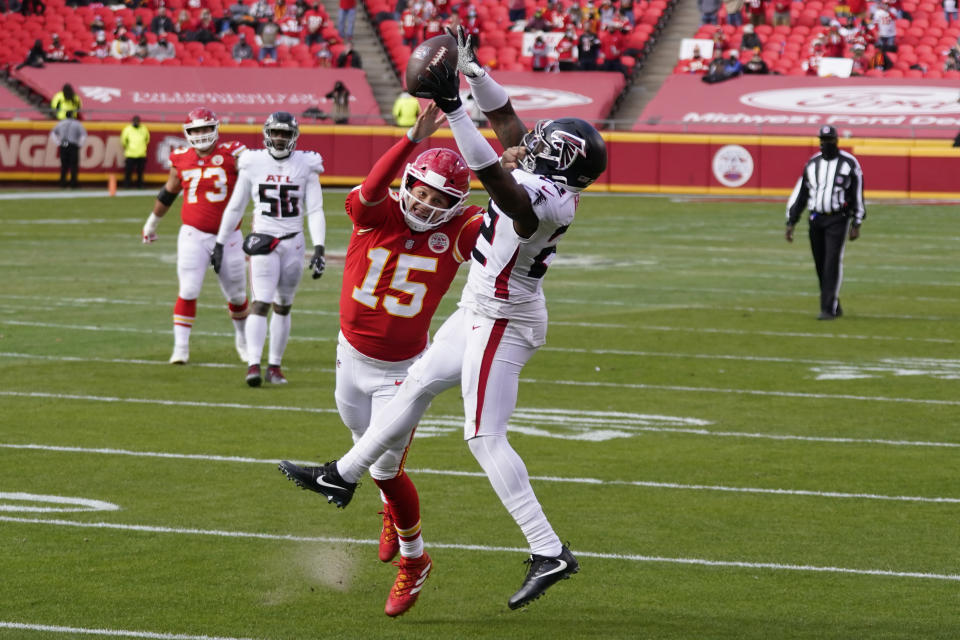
(478, 474)
(737, 564)
(116, 633)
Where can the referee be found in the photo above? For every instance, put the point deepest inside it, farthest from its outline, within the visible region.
(831, 186)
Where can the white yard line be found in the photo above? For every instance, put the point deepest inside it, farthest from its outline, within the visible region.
(477, 474)
(112, 633)
(738, 564)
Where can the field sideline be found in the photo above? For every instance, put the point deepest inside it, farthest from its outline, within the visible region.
(723, 465)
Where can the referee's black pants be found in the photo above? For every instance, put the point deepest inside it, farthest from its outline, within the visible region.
(828, 236)
(133, 166)
(69, 163)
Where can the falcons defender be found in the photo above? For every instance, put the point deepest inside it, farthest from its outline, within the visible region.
(285, 186)
(207, 169)
(502, 319)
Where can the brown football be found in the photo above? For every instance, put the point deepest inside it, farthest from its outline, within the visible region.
(429, 53)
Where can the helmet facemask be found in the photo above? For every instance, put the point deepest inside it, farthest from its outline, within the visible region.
(421, 215)
(201, 129)
(280, 133)
(552, 153)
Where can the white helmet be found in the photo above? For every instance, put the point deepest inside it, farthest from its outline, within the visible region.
(201, 117)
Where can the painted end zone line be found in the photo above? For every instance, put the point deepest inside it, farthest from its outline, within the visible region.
(116, 633)
(775, 566)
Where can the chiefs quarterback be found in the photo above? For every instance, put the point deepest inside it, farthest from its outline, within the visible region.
(206, 171)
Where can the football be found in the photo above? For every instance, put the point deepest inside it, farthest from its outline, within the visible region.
(430, 52)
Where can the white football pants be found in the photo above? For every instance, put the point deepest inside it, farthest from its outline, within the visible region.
(274, 277)
(194, 249)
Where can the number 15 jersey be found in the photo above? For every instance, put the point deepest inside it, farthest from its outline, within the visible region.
(394, 277)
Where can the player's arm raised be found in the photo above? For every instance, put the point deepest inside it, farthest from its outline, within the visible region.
(510, 197)
(489, 96)
(166, 196)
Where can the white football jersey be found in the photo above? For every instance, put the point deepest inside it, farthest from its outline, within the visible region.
(283, 192)
(506, 272)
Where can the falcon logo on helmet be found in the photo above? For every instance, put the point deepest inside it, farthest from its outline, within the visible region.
(569, 151)
(201, 128)
(280, 133)
(440, 169)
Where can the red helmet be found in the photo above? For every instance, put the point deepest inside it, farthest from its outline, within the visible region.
(440, 169)
(201, 117)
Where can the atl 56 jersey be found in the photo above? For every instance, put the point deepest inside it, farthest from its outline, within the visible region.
(207, 183)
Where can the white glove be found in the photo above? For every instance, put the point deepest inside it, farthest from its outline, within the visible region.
(150, 229)
(467, 61)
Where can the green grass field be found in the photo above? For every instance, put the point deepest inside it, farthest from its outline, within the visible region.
(723, 464)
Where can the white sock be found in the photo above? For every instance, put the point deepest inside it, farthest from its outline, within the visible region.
(508, 476)
(181, 336)
(240, 326)
(256, 331)
(279, 335)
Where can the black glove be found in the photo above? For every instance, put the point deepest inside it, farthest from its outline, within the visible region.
(317, 263)
(217, 258)
(442, 85)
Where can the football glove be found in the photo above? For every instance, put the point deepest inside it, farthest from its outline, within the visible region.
(217, 258)
(441, 84)
(150, 229)
(467, 62)
(317, 263)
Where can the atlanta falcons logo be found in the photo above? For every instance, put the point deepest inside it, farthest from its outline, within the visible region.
(568, 147)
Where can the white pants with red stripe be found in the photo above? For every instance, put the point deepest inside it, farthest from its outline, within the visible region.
(194, 249)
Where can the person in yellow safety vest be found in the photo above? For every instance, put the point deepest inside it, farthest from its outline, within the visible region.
(66, 100)
(405, 110)
(134, 139)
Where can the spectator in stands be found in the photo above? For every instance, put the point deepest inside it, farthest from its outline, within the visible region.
(812, 64)
(260, 12)
(162, 50)
(607, 14)
(708, 11)
(724, 68)
(566, 50)
(349, 58)
(242, 49)
(121, 47)
(588, 48)
(626, 10)
(756, 12)
(340, 96)
(142, 50)
(432, 26)
(134, 139)
(269, 33)
(696, 63)
(69, 136)
(138, 29)
(750, 39)
(36, 7)
(406, 108)
(539, 52)
(835, 46)
(442, 9)
(96, 25)
(516, 10)
(101, 48)
(720, 40)
(537, 23)
(161, 21)
(64, 101)
(410, 27)
(183, 24)
(323, 55)
(313, 23)
(781, 13)
(734, 12)
(861, 61)
(952, 58)
(346, 18)
(880, 60)
(36, 57)
(472, 26)
(950, 10)
(205, 30)
(12, 6)
(239, 15)
(756, 65)
(56, 52)
(886, 28)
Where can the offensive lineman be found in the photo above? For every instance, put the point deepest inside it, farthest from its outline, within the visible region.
(285, 186)
(502, 317)
(207, 169)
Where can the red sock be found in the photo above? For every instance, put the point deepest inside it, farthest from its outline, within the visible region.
(404, 504)
(237, 309)
(184, 311)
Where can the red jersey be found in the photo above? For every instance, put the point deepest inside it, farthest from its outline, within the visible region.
(207, 183)
(394, 277)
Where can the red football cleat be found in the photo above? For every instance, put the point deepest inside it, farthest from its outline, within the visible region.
(410, 578)
(389, 542)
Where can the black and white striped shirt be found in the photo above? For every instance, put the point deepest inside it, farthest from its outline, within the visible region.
(829, 187)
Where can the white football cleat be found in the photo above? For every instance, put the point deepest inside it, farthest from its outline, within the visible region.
(181, 355)
(241, 344)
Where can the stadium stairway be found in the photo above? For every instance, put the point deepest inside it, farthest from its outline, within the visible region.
(658, 64)
(376, 66)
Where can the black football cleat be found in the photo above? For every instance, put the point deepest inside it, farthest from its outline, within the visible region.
(324, 480)
(544, 572)
(253, 375)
